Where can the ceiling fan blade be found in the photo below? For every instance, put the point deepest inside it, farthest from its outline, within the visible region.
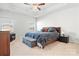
(38, 8)
(27, 3)
(42, 4)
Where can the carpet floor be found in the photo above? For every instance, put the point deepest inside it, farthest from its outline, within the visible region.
(17, 48)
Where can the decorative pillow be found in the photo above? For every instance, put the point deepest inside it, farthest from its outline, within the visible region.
(45, 29)
(42, 30)
(51, 29)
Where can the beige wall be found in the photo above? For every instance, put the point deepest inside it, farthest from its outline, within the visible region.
(67, 18)
(21, 22)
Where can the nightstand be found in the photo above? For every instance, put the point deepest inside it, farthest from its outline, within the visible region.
(12, 36)
(64, 39)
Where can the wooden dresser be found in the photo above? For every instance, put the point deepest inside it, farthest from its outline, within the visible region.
(4, 43)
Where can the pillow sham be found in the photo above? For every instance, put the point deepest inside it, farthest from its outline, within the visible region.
(51, 29)
(44, 29)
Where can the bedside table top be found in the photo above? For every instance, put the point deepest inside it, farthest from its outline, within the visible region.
(63, 35)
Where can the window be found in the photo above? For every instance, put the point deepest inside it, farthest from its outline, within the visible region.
(7, 27)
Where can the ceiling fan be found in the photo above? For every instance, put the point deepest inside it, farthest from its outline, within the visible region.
(36, 5)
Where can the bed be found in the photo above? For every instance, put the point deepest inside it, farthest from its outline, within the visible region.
(45, 36)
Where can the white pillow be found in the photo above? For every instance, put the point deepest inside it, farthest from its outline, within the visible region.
(39, 45)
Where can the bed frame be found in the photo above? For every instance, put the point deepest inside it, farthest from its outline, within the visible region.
(58, 29)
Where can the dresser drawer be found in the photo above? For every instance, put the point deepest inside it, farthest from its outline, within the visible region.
(64, 39)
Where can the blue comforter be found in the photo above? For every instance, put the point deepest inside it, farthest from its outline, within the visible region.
(42, 35)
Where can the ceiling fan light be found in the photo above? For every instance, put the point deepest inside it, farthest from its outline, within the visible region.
(34, 7)
(37, 6)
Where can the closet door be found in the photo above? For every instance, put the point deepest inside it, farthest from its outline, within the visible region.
(4, 43)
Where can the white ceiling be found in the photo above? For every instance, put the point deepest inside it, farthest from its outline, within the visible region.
(27, 9)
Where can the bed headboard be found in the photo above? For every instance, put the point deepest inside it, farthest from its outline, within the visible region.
(58, 29)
